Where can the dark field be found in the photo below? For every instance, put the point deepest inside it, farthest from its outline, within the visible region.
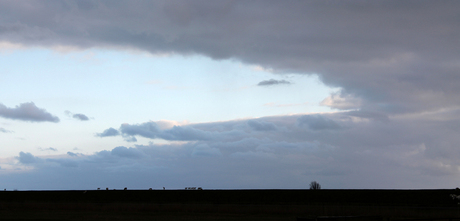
(229, 205)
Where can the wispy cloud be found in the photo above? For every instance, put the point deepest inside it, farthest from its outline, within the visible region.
(3, 130)
(48, 149)
(272, 82)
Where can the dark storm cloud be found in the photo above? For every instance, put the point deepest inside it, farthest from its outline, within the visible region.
(27, 112)
(272, 82)
(397, 56)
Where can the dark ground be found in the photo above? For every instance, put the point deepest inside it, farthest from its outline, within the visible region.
(229, 205)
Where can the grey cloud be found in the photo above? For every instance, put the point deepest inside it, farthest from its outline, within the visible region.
(27, 112)
(369, 115)
(272, 82)
(81, 117)
(48, 149)
(318, 122)
(383, 53)
(188, 133)
(409, 146)
(64, 162)
(206, 151)
(342, 101)
(3, 130)
(127, 152)
(178, 133)
(72, 154)
(400, 153)
(130, 138)
(108, 133)
(148, 129)
(261, 125)
(27, 158)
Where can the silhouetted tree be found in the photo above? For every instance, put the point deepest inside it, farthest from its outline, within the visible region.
(315, 185)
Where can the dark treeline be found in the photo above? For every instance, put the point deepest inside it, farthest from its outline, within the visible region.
(366, 197)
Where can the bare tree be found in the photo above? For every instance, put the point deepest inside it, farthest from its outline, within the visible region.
(315, 185)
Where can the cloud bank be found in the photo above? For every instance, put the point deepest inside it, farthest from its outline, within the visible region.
(341, 150)
(367, 48)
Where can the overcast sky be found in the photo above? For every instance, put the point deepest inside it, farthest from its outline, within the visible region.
(229, 94)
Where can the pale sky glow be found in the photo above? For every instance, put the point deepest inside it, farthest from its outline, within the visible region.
(229, 94)
(112, 86)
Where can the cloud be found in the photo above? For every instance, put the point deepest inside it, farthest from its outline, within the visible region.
(341, 150)
(47, 149)
(148, 129)
(127, 152)
(318, 122)
(369, 115)
(27, 158)
(261, 125)
(382, 64)
(108, 133)
(272, 82)
(64, 162)
(176, 133)
(27, 112)
(342, 102)
(81, 117)
(72, 154)
(3, 130)
(204, 150)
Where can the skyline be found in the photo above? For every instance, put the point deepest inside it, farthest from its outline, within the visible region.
(229, 94)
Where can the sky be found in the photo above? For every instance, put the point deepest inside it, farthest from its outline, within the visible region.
(229, 94)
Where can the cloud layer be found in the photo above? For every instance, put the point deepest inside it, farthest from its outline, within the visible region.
(339, 150)
(395, 56)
